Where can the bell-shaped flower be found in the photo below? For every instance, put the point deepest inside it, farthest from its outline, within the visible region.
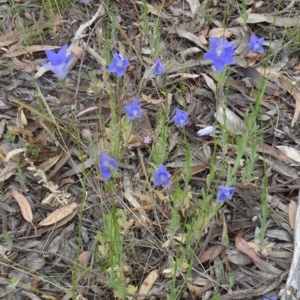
(162, 176)
(256, 44)
(220, 53)
(106, 165)
(118, 65)
(225, 193)
(133, 110)
(59, 62)
(181, 118)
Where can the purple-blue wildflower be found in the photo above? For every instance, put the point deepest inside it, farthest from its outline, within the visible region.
(85, 1)
(159, 67)
(106, 164)
(59, 62)
(273, 298)
(205, 131)
(162, 176)
(118, 65)
(181, 118)
(220, 53)
(256, 44)
(133, 110)
(225, 193)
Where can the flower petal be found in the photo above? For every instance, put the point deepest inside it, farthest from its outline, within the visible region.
(219, 65)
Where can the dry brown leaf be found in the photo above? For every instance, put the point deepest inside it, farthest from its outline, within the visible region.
(294, 91)
(211, 84)
(28, 68)
(190, 36)
(30, 49)
(196, 290)
(18, 131)
(58, 224)
(84, 257)
(148, 283)
(10, 154)
(9, 38)
(184, 75)
(145, 199)
(24, 206)
(66, 181)
(151, 100)
(78, 51)
(220, 32)
(267, 149)
(160, 196)
(230, 120)
(243, 246)
(50, 162)
(253, 18)
(210, 252)
(292, 213)
(59, 214)
(22, 121)
(290, 152)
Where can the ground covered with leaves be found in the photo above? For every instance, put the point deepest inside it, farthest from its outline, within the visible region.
(146, 165)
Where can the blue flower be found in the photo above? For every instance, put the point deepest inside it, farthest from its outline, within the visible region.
(181, 118)
(220, 53)
(118, 65)
(256, 44)
(225, 193)
(133, 110)
(59, 62)
(85, 1)
(162, 176)
(106, 164)
(159, 67)
(273, 298)
(205, 131)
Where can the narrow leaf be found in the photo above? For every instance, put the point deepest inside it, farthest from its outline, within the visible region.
(24, 206)
(58, 214)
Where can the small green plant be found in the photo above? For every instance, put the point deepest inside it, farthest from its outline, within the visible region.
(111, 255)
(20, 174)
(34, 151)
(96, 84)
(9, 137)
(243, 11)
(7, 239)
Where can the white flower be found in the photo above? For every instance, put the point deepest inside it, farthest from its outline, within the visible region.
(205, 131)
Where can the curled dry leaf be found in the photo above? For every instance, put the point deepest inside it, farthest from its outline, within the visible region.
(244, 247)
(292, 213)
(58, 214)
(211, 253)
(10, 154)
(148, 283)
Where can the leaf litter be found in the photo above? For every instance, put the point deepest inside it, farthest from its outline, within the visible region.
(48, 197)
